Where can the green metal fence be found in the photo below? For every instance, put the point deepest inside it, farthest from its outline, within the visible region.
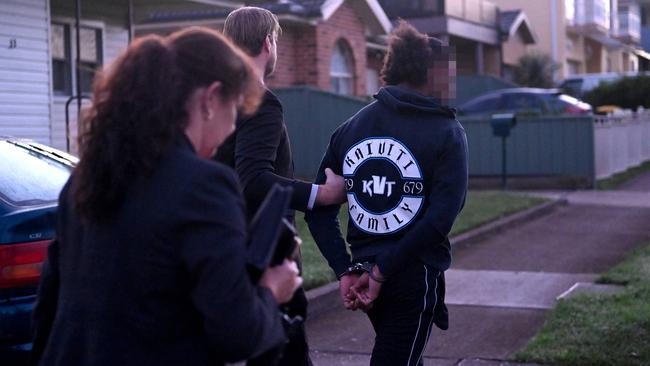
(471, 86)
(540, 146)
(312, 116)
(543, 146)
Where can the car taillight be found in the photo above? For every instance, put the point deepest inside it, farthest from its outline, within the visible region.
(574, 109)
(20, 264)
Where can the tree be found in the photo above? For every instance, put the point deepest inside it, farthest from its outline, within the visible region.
(628, 92)
(535, 70)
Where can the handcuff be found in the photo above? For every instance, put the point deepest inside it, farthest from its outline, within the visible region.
(361, 267)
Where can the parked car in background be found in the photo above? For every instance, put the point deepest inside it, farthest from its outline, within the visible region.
(525, 101)
(581, 84)
(31, 178)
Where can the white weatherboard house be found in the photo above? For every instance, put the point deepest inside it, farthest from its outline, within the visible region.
(38, 57)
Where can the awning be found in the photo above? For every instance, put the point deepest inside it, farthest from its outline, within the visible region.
(643, 54)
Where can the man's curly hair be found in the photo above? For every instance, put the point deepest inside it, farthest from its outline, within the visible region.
(410, 55)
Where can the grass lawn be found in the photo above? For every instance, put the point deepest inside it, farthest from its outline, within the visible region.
(481, 207)
(616, 180)
(600, 329)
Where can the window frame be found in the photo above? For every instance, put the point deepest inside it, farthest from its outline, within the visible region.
(478, 102)
(336, 77)
(100, 31)
(67, 60)
(510, 103)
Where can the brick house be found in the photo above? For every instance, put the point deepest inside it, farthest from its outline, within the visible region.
(486, 39)
(331, 45)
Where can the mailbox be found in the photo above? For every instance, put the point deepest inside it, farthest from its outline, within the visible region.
(502, 124)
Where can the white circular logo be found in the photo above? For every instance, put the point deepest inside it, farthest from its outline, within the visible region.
(384, 184)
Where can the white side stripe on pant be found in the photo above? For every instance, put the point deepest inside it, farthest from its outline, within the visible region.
(433, 310)
(426, 281)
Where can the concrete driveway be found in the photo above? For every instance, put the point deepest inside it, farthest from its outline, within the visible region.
(500, 288)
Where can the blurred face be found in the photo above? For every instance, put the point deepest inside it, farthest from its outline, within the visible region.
(441, 80)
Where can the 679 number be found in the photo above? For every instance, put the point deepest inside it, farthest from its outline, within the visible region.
(413, 187)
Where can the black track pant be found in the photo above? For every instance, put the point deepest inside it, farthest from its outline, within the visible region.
(402, 316)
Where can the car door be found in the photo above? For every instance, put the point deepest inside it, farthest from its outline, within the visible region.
(482, 106)
(526, 104)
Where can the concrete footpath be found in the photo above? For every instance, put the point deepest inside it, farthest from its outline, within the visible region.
(501, 287)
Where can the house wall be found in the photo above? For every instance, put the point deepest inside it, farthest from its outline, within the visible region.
(477, 11)
(296, 63)
(115, 37)
(304, 51)
(466, 56)
(595, 57)
(541, 18)
(344, 24)
(575, 46)
(25, 69)
(492, 60)
(375, 61)
(513, 49)
(285, 67)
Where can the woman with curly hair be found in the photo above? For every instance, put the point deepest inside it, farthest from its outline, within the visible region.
(148, 265)
(404, 160)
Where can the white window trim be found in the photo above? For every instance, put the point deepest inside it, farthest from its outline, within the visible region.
(338, 74)
(71, 22)
(341, 75)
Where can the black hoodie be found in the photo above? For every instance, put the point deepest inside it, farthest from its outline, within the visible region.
(404, 158)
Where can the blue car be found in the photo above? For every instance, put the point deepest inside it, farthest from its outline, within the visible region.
(31, 177)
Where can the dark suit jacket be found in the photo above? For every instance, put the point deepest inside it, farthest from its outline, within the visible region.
(260, 152)
(163, 283)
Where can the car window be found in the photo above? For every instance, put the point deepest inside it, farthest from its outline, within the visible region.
(28, 178)
(607, 80)
(572, 86)
(557, 103)
(482, 105)
(523, 103)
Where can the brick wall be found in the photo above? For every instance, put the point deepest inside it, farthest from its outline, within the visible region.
(296, 57)
(304, 51)
(343, 24)
(285, 67)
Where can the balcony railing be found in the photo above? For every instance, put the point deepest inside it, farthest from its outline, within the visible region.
(477, 11)
(629, 21)
(411, 8)
(594, 13)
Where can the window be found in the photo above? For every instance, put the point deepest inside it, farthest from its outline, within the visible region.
(483, 105)
(629, 20)
(64, 63)
(341, 69)
(573, 67)
(570, 11)
(572, 86)
(28, 178)
(411, 8)
(522, 103)
(598, 12)
(61, 60)
(90, 56)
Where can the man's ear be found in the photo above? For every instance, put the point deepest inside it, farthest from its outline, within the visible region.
(268, 45)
